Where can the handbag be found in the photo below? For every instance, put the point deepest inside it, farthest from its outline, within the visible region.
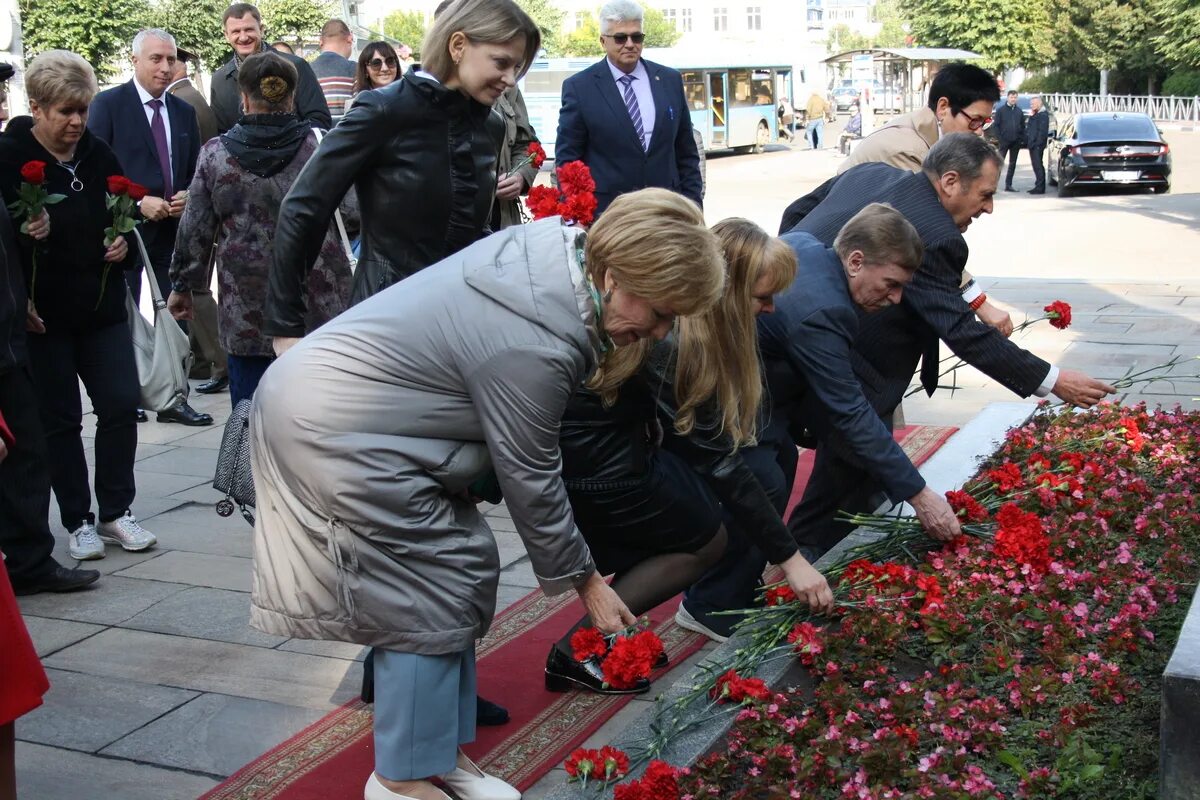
(233, 475)
(337, 218)
(160, 348)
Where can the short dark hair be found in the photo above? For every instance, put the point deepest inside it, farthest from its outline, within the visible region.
(239, 10)
(269, 79)
(964, 153)
(962, 84)
(1012, 92)
(335, 27)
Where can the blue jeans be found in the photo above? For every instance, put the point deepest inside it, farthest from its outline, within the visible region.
(815, 134)
(244, 374)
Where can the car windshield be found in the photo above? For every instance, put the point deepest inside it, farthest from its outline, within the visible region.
(1116, 128)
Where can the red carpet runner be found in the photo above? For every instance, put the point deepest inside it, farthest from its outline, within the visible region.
(332, 758)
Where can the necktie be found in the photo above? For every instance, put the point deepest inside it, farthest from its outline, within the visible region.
(158, 130)
(929, 367)
(631, 105)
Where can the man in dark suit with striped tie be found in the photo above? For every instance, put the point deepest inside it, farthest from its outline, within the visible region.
(627, 118)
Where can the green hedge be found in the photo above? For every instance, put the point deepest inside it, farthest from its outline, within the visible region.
(1182, 84)
(1062, 83)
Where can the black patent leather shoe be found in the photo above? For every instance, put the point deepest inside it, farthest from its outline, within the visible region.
(213, 385)
(141, 415)
(489, 713)
(185, 415)
(564, 673)
(59, 579)
(663, 662)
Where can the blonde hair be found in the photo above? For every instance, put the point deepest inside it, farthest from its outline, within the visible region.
(718, 350)
(481, 21)
(57, 77)
(657, 247)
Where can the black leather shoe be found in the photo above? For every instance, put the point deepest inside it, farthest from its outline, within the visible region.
(662, 662)
(1009, 189)
(1037, 191)
(185, 415)
(59, 579)
(564, 673)
(213, 385)
(488, 713)
(141, 415)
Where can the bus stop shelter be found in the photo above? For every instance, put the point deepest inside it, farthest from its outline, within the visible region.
(900, 65)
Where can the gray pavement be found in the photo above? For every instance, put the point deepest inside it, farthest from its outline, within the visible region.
(160, 688)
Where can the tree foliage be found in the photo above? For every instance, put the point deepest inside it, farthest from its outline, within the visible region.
(585, 40)
(98, 30)
(1007, 33)
(407, 27)
(294, 21)
(891, 33)
(1179, 37)
(196, 26)
(549, 20)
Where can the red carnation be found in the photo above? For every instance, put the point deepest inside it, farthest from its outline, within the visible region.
(537, 156)
(613, 763)
(780, 595)
(806, 639)
(542, 202)
(582, 764)
(1006, 477)
(574, 177)
(588, 642)
(118, 184)
(658, 782)
(1059, 314)
(966, 507)
(34, 172)
(630, 659)
(1133, 435)
(580, 208)
(136, 191)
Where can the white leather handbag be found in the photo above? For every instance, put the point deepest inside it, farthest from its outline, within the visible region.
(160, 348)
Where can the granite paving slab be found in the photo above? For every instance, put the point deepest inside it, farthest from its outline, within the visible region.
(50, 635)
(209, 438)
(196, 569)
(111, 600)
(215, 733)
(520, 573)
(160, 484)
(236, 669)
(318, 647)
(183, 460)
(198, 528)
(85, 712)
(203, 613)
(51, 773)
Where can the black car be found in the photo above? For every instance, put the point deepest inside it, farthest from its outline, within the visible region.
(1109, 149)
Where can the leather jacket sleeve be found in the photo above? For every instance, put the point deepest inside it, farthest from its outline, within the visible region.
(711, 454)
(308, 209)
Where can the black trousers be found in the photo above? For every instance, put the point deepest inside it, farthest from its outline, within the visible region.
(25, 535)
(1039, 166)
(103, 360)
(1010, 150)
(731, 582)
(838, 483)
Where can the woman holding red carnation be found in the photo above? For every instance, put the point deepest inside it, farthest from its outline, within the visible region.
(650, 505)
(79, 330)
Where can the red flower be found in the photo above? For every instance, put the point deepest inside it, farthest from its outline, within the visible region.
(1059, 314)
(966, 507)
(658, 782)
(137, 191)
(613, 763)
(806, 639)
(588, 642)
(780, 595)
(630, 659)
(542, 202)
(737, 689)
(582, 764)
(537, 156)
(34, 172)
(1133, 435)
(1006, 477)
(574, 177)
(118, 184)
(580, 208)
(1021, 538)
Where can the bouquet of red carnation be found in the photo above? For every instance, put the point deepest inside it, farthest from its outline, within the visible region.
(32, 199)
(574, 200)
(625, 658)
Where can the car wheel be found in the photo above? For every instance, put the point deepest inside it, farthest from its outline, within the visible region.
(1064, 190)
(761, 138)
(1052, 177)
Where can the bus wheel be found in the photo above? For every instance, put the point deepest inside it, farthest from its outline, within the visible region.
(761, 138)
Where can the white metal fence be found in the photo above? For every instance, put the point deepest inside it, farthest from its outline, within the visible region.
(1162, 109)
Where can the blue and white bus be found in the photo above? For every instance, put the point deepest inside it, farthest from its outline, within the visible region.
(733, 104)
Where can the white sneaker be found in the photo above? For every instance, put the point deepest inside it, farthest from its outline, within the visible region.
(126, 532)
(685, 620)
(84, 544)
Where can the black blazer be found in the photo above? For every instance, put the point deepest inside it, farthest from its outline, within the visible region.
(118, 118)
(226, 99)
(807, 348)
(1010, 123)
(892, 341)
(1037, 130)
(594, 127)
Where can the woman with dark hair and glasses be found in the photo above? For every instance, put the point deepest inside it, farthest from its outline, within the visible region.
(378, 65)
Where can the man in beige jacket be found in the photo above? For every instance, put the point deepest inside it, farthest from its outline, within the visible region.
(961, 98)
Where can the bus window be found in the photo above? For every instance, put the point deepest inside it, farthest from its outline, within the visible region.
(762, 93)
(740, 90)
(693, 90)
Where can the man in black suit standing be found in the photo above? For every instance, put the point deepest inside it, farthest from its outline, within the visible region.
(627, 118)
(1010, 130)
(157, 140)
(243, 28)
(1037, 132)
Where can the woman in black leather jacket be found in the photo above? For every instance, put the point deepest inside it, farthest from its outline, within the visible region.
(650, 505)
(422, 154)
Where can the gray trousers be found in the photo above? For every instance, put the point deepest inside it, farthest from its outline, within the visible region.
(424, 709)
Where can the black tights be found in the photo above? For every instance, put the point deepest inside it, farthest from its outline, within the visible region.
(656, 580)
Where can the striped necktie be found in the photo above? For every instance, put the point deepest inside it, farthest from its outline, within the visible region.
(631, 105)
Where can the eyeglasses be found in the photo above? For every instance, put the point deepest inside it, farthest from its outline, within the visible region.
(377, 63)
(622, 38)
(973, 122)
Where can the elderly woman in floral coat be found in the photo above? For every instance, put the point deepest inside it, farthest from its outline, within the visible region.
(241, 180)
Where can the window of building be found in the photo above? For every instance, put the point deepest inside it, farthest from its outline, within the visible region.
(685, 20)
(754, 18)
(671, 17)
(580, 19)
(721, 19)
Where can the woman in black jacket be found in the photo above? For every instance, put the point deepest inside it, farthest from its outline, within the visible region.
(422, 154)
(651, 472)
(78, 291)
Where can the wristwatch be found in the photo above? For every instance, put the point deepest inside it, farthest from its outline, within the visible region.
(180, 286)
